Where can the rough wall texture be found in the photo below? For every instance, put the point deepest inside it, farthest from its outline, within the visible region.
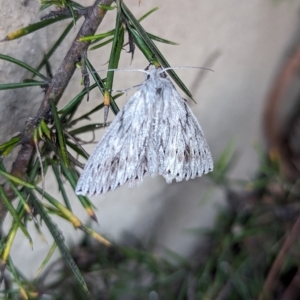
(251, 38)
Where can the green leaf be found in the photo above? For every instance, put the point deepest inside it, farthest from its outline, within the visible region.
(161, 40)
(101, 36)
(99, 82)
(115, 53)
(19, 85)
(148, 13)
(6, 244)
(7, 147)
(101, 44)
(142, 45)
(61, 186)
(106, 7)
(57, 235)
(70, 6)
(17, 180)
(71, 106)
(45, 129)
(97, 37)
(45, 6)
(68, 215)
(61, 137)
(101, 86)
(156, 53)
(33, 27)
(88, 128)
(76, 5)
(17, 280)
(76, 149)
(59, 4)
(96, 236)
(87, 115)
(56, 45)
(14, 214)
(23, 65)
(73, 178)
(97, 108)
(33, 169)
(23, 202)
(7, 151)
(70, 109)
(46, 260)
(21, 197)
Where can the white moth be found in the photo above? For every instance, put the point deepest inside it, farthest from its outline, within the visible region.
(154, 133)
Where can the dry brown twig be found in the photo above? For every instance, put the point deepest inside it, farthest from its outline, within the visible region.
(274, 271)
(276, 142)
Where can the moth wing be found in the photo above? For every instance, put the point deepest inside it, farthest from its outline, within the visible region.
(120, 155)
(184, 152)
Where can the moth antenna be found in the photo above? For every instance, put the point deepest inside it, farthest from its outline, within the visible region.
(41, 166)
(185, 67)
(128, 89)
(117, 70)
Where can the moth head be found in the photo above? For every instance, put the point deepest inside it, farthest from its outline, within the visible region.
(152, 72)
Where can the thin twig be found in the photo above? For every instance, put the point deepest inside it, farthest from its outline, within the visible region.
(290, 239)
(60, 81)
(37, 150)
(276, 143)
(65, 12)
(292, 291)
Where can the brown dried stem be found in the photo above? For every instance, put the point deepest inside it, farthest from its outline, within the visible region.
(60, 81)
(292, 236)
(276, 142)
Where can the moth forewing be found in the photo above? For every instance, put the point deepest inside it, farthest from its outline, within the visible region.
(154, 133)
